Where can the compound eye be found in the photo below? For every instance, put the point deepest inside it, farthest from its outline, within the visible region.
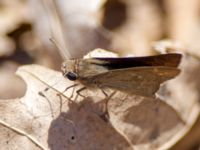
(71, 76)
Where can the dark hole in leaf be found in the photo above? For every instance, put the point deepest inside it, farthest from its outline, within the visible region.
(73, 138)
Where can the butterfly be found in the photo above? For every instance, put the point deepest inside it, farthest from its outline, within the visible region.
(133, 75)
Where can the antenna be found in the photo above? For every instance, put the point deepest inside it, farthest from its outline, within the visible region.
(56, 27)
(54, 42)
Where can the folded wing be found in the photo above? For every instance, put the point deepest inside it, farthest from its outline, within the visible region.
(143, 81)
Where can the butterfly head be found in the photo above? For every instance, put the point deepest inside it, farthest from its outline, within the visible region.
(69, 69)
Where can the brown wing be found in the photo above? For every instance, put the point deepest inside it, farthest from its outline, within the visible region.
(93, 66)
(143, 81)
(167, 60)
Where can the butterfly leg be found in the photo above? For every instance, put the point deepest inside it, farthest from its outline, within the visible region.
(105, 115)
(106, 95)
(79, 92)
(69, 87)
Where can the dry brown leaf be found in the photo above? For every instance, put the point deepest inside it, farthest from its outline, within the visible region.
(10, 20)
(43, 119)
(38, 122)
(185, 91)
